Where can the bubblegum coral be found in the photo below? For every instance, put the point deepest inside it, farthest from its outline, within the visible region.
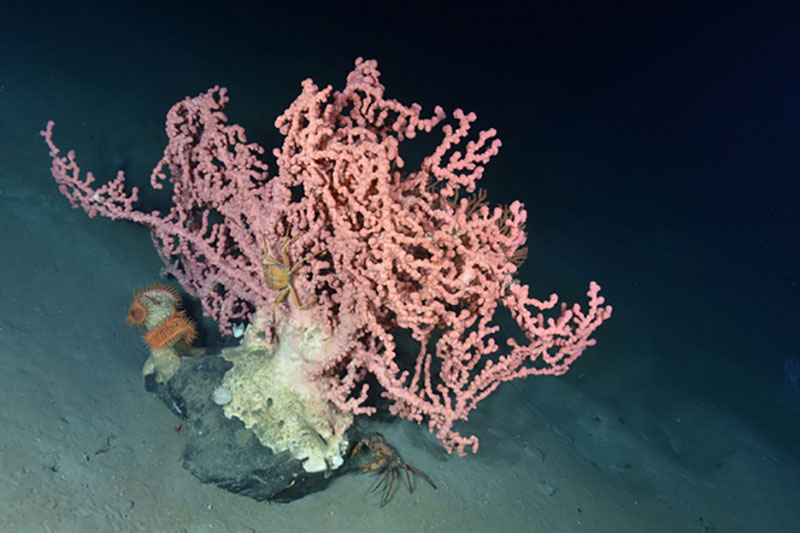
(371, 248)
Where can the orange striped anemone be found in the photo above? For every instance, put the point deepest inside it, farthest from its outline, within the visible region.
(137, 312)
(154, 290)
(174, 328)
(154, 296)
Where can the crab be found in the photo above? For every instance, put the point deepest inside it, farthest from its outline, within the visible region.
(278, 273)
(386, 459)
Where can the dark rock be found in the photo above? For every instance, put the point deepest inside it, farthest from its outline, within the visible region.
(222, 451)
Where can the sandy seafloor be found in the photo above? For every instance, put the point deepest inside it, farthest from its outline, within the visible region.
(677, 420)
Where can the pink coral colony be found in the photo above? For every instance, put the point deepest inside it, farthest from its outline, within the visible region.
(382, 248)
